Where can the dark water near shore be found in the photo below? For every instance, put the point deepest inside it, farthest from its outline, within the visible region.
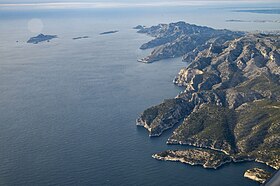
(68, 107)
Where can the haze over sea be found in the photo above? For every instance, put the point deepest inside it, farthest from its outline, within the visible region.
(68, 107)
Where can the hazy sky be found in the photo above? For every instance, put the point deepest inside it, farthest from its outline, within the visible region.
(114, 3)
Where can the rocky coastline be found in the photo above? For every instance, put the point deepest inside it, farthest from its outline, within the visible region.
(231, 102)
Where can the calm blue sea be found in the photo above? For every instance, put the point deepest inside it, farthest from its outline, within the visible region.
(68, 107)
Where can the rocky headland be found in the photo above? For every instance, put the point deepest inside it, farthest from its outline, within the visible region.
(203, 157)
(182, 39)
(231, 101)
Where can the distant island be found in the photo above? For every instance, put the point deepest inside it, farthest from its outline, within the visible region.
(41, 38)
(82, 37)
(109, 32)
(261, 11)
(230, 108)
(255, 21)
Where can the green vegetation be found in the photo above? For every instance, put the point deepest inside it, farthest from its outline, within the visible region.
(211, 124)
(252, 130)
(258, 131)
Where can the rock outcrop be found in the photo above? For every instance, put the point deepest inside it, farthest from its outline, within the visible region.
(164, 116)
(257, 174)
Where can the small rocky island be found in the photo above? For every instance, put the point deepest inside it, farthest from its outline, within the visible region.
(81, 37)
(41, 38)
(231, 102)
(255, 21)
(257, 174)
(109, 32)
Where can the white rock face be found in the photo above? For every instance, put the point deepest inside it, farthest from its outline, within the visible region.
(186, 77)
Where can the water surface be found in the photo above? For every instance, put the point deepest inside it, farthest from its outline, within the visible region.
(68, 107)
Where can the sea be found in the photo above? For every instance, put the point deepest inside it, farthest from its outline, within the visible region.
(68, 107)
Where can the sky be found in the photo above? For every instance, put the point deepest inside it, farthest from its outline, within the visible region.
(114, 3)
